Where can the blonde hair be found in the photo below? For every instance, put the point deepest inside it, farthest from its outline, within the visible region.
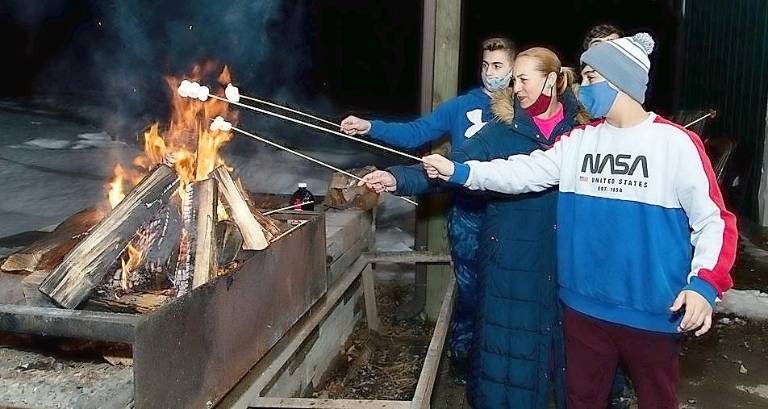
(547, 62)
(501, 43)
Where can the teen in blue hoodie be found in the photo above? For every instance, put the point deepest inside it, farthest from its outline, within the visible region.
(461, 118)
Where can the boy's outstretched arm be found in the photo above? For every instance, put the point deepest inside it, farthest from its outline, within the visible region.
(517, 174)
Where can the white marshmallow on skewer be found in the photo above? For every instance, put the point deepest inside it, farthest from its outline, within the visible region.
(219, 124)
(232, 93)
(202, 93)
(216, 124)
(184, 87)
(193, 89)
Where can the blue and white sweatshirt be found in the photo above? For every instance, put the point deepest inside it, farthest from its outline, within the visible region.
(461, 117)
(640, 218)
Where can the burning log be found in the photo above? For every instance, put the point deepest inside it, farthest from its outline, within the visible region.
(88, 262)
(142, 303)
(161, 258)
(229, 242)
(47, 253)
(343, 191)
(241, 213)
(205, 199)
(149, 260)
(268, 224)
(197, 256)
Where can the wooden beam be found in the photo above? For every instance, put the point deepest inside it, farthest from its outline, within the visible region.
(307, 403)
(369, 293)
(240, 212)
(423, 394)
(427, 257)
(304, 329)
(85, 266)
(99, 326)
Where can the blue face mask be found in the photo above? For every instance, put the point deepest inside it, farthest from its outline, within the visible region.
(494, 84)
(598, 98)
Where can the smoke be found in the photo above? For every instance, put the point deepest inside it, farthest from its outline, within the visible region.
(118, 51)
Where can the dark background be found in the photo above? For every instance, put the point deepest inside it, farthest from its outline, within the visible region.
(105, 59)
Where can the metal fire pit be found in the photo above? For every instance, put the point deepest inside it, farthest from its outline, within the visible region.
(192, 351)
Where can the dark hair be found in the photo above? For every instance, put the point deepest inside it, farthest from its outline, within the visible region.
(501, 43)
(600, 31)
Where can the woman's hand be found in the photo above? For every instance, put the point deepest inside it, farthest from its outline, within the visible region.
(353, 125)
(379, 181)
(438, 167)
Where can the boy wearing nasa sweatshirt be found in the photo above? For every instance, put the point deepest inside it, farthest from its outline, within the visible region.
(645, 244)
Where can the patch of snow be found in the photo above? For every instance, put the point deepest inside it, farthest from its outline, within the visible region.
(95, 136)
(393, 239)
(47, 143)
(759, 390)
(751, 304)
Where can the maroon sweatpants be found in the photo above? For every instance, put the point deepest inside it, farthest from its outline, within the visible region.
(594, 349)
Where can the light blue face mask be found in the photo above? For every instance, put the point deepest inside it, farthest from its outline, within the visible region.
(494, 84)
(598, 98)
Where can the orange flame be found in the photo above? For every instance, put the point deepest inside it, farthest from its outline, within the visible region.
(187, 144)
(115, 192)
(135, 257)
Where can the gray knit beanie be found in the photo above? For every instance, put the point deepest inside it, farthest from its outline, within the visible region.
(623, 62)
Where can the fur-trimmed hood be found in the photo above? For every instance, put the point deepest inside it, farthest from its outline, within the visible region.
(504, 105)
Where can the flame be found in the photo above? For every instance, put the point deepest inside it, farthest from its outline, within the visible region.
(186, 143)
(115, 192)
(135, 257)
(225, 78)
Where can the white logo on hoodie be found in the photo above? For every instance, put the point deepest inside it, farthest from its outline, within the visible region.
(476, 119)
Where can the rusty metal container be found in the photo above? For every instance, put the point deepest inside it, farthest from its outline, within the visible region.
(192, 351)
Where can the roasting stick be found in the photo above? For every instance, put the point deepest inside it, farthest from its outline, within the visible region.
(710, 113)
(233, 95)
(290, 110)
(287, 232)
(287, 207)
(311, 159)
(300, 122)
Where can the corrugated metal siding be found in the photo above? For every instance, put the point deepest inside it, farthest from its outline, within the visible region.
(725, 66)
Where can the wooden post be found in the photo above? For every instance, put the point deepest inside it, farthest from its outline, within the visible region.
(447, 38)
(417, 303)
(369, 293)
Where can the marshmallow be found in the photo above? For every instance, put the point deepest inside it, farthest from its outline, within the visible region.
(202, 93)
(184, 88)
(219, 124)
(193, 89)
(232, 93)
(216, 124)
